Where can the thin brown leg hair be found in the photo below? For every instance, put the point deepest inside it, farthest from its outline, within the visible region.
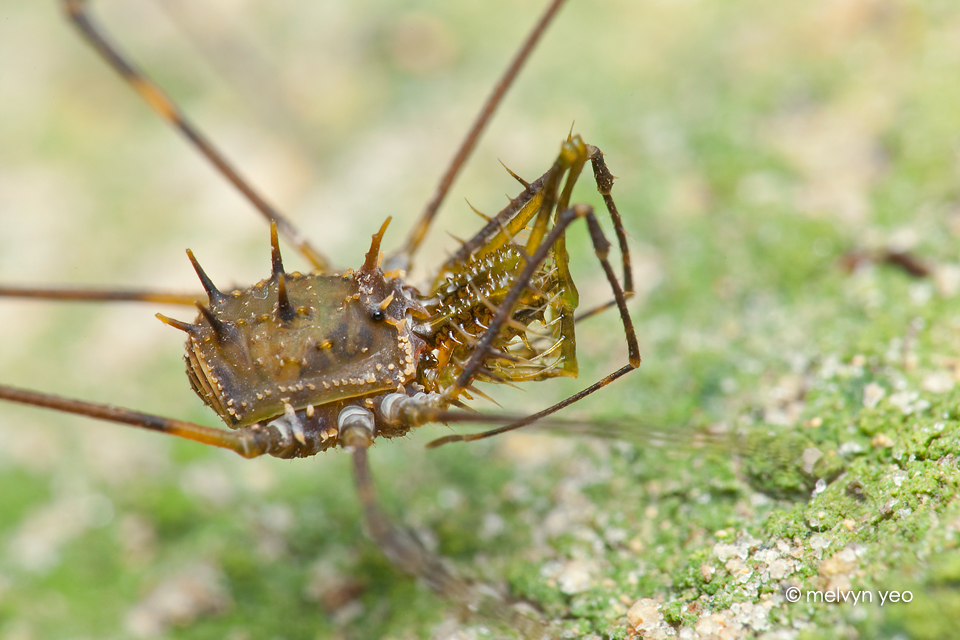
(163, 106)
(403, 258)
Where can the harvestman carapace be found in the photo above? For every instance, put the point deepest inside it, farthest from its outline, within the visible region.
(300, 363)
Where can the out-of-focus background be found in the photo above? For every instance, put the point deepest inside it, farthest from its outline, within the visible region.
(771, 158)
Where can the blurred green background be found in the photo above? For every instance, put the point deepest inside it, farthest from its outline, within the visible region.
(756, 144)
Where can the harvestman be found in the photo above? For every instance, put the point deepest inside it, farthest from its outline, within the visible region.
(300, 363)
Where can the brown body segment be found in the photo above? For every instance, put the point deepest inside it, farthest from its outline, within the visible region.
(339, 344)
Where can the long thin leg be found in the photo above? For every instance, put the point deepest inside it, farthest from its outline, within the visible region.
(164, 107)
(249, 442)
(676, 437)
(89, 294)
(406, 553)
(534, 417)
(400, 545)
(403, 258)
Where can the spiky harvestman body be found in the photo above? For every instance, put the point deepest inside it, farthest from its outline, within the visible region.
(301, 363)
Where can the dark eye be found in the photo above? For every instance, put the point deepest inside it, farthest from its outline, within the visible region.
(377, 315)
